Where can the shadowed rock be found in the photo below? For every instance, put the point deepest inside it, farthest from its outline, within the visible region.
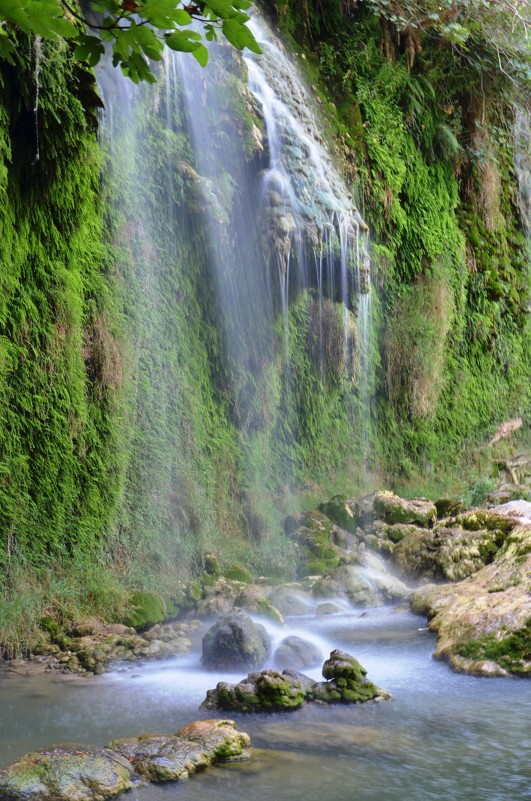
(235, 641)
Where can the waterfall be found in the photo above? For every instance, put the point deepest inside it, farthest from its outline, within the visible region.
(245, 277)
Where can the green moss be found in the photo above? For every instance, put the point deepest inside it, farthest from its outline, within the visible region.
(237, 572)
(511, 650)
(147, 608)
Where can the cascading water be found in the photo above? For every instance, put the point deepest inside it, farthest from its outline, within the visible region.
(314, 235)
(229, 213)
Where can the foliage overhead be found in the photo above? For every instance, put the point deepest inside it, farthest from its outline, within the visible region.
(136, 31)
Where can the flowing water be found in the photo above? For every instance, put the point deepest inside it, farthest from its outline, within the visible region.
(442, 735)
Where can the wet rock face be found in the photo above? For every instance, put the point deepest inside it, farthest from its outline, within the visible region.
(235, 641)
(270, 691)
(67, 773)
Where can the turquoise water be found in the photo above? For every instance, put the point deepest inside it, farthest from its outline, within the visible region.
(442, 736)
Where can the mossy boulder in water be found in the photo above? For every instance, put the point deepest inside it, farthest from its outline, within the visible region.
(235, 641)
(269, 691)
(163, 757)
(266, 691)
(67, 773)
(346, 681)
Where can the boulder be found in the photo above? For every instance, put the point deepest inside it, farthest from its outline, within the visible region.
(483, 623)
(270, 691)
(294, 652)
(338, 510)
(313, 535)
(67, 773)
(146, 609)
(393, 509)
(346, 681)
(235, 642)
(252, 599)
(267, 691)
(446, 553)
(291, 600)
(163, 757)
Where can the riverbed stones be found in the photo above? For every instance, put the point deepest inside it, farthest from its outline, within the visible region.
(234, 642)
(67, 773)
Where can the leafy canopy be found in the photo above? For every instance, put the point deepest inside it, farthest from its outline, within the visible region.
(136, 30)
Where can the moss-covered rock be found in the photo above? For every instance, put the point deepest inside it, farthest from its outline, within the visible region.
(393, 509)
(346, 682)
(163, 757)
(313, 535)
(267, 691)
(482, 622)
(446, 553)
(270, 691)
(365, 582)
(339, 511)
(67, 773)
(146, 609)
(238, 572)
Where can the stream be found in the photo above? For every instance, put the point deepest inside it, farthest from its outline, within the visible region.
(442, 736)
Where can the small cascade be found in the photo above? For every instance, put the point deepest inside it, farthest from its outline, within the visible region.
(308, 213)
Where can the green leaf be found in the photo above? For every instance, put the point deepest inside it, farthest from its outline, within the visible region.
(240, 36)
(89, 49)
(183, 41)
(201, 55)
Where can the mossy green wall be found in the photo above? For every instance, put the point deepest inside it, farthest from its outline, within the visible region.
(129, 442)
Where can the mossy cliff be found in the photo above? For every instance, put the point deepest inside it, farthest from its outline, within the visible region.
(139, 427)
(427, 128)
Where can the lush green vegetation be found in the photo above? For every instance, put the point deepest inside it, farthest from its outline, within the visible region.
(132, 440)
(424, 111)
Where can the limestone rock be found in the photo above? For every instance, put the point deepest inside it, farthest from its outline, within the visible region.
(290, 600)
(446, 553)
(234, 642)
(67, 773)
(295, 652)
(365, 583)
(483, 623)
(392, 509)
(163, 757)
